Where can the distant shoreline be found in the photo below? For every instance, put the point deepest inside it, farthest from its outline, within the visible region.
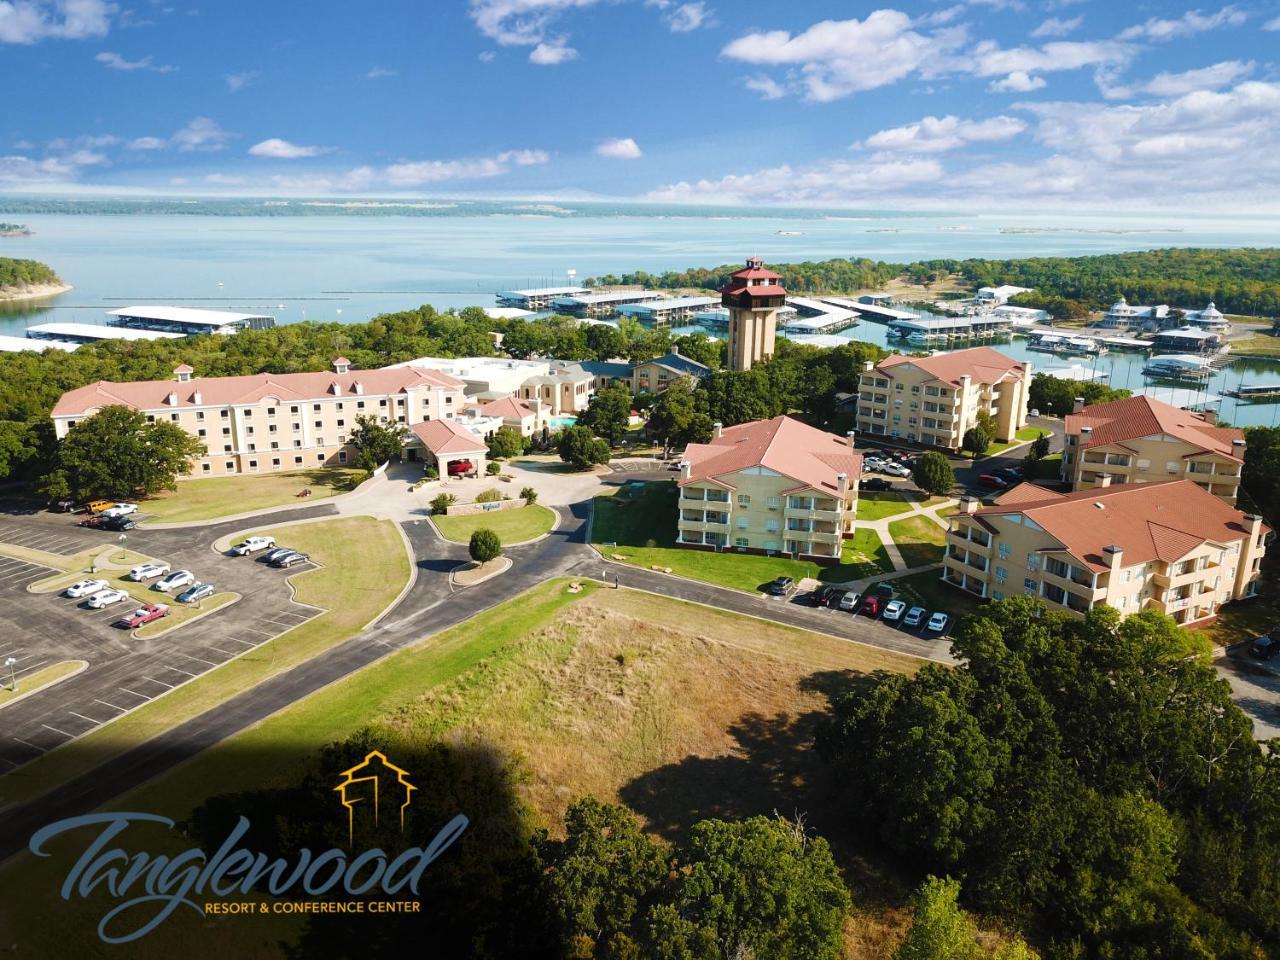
(34, 291)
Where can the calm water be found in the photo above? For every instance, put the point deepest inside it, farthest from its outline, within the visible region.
(350, 268)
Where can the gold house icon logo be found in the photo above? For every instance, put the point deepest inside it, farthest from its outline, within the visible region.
(372, 783)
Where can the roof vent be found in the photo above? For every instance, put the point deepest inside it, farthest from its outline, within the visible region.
(1099, 505)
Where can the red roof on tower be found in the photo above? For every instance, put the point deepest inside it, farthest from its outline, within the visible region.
(754, 270)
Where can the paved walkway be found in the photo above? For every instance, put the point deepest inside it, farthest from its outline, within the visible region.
(881, 527)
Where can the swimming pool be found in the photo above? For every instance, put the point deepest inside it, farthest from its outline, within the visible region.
(559, 423)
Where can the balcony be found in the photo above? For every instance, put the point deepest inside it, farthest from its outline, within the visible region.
(816, 536)
(797, 513)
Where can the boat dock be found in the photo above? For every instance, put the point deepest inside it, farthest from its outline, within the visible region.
(1255, 391)
(919, 330)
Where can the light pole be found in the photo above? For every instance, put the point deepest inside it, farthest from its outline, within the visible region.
(11, 663)
(124, 538)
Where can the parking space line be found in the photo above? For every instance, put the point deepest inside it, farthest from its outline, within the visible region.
(199, 660)
(140, 696)
(26, 743)
(96, 723)
(167, 686)
(111, 705)
(56, 730)
(8, 761)
(176, 670)
(35, 666)
(238, 640)
(225, 653)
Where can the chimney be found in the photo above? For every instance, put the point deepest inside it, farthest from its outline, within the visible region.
(1255, 527)
(197, 398)
(171, 399)
(675, 350)
(1237, 448)
(849, 436)
(1114, 555)
(357, 388)
(716, 430)
(868, 366)
(1104, 480)
(341, 365)
(969, 505)
(686, 469)
(842, 486)
(1079, 405)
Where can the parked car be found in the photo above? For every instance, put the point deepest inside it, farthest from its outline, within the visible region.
(849, 601)
(914, 617)
(120, 510)
(780, 586)
(147, 613)
(271, 555)
(93, 520)
(884, 590)
(938, 622)
(289, 559)
(62, 506)
(105, 598)
(991, 480)
(1012, 474)
(118, 524)
(896, 470)
(872, 605)
(253, 545)
(820, 596)
(97, 506)
(834, 597)
(1264, 647)
(148, 571)
(197, 591)
(872, 464)
(84, 588)
(174, 581)
(874, 483)
(893, 611)
(459, 467)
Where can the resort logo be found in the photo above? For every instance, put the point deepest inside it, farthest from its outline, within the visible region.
(149, 887)
(373, 778)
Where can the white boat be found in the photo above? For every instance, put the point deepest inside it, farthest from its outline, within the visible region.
(1178, 366)
(919, 338)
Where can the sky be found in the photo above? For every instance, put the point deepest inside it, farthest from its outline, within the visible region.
(999, 104)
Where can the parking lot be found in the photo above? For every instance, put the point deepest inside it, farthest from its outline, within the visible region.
(124, 672)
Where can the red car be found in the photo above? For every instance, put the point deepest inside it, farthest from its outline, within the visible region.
(145, 614)
(458, 467)
(91, 521)
(991, 480)
(872, 605)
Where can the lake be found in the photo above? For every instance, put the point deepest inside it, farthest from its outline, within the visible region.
(349, 268)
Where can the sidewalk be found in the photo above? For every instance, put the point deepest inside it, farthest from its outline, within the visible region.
(881, 527)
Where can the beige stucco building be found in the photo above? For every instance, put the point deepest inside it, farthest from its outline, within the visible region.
(771, 486)
(1141, 440)
(273, 422)
(935, 400)
(654, 376)
(1167, 546)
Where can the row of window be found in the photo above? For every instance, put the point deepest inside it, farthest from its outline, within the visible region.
(230, 465)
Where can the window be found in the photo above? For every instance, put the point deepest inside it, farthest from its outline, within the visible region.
(319, 441)
(226, 431)
(1033, 562)
(744, 500)
(297, 444)
(359, 404)
(742, 523)
(740, 542)
(271, 411)
(771, 526)
(1004, 551)
(320, 458)
(1002, 574)
(272, 428)
(1172, 466)
(382, 403)
(230, 464)
(774, 503)
(275, 461)
(315, 408)
(997, 594)
(293, 409)
(226, 414)
(248, 413)
(199, 416)
(226, 448)
(205, 467)
(342, 457)
(200, 432)
(253, 464)
(296, 427)
(252, 447)
(249, 430)
(342, 423)
(1030, 584)
(298, 461)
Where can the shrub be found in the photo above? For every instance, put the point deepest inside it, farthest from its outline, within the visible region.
(490, 496)
(485, 545)
(493, 469)
(442, 503)
(529, 495)
(433, 473)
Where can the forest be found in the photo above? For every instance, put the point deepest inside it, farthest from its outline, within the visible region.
(23, 273)
(826, 276)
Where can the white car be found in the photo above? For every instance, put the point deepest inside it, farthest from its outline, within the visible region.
(179, 578)
(147, 571)
(895, 470)
(893, 611)
(253, 545)
(105, 598)
(938, 622)
(849, 601)
(914, 617)
(85, 588)
(120, 510)
(873, 464)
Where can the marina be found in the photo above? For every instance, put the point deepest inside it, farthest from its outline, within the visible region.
(1065, 344)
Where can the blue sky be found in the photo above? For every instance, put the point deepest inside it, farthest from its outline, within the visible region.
(984, 103)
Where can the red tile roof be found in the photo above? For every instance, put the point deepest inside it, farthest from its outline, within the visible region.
(444, 437)
(509, 408)
(982, 364)
(224, 391)
(1148, 521)
(1142, 416)
(759, 290)
(796, 450)
(752, 272)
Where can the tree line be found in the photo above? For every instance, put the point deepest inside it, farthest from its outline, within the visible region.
(24, 273)
(826, 276)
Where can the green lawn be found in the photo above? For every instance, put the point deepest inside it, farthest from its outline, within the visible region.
(1238, 622)
(1031, 433)
(641, 528)
(861, 557)
(925, 589)
(919, 540)
(1049, 468)
(44, 677)
(207, 498)
(364, 566)
(878, 504)
(512, 526)
(949, 511)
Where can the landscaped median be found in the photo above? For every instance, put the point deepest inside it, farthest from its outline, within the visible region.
(208, 498)
(919, 539)
(35, 682)
(364, 566)
(513, 526)
(640, 528)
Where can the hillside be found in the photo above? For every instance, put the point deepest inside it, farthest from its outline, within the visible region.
(26, 279)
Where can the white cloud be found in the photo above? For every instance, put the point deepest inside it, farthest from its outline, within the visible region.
(238, 81)
(278, 149)
(837, 58)
(201, 133)
(766, 86)
(487, 56)
(1272, 24)
(1189, 24)
(117, 62)
(832, 182)
(377, 73)
(621, 148)
(1057, 27)
(1017, 82)
(1205, 78)
(226, 180)
(688, 17)
(939, 134)
(30, 21)
(147, 143)
(418, 173)
(990, 60)
(551, 54)
(20, 170)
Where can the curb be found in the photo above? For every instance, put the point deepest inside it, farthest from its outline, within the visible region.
(235, 598)
(84, 665)
(487, 577)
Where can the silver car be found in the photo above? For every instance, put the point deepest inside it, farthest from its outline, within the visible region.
(85, 588)
(179, 578)
(105, 598)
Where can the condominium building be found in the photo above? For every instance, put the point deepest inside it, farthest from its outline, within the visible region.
(770, 486)
(935, 400)
(1166, 546)
(654, 376)
(272, 422)
(1141, 440)
(1124, 315)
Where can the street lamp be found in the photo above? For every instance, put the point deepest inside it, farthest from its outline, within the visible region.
(124, 538)
(11, 663)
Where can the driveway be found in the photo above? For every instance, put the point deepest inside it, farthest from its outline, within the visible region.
(1255, 689)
